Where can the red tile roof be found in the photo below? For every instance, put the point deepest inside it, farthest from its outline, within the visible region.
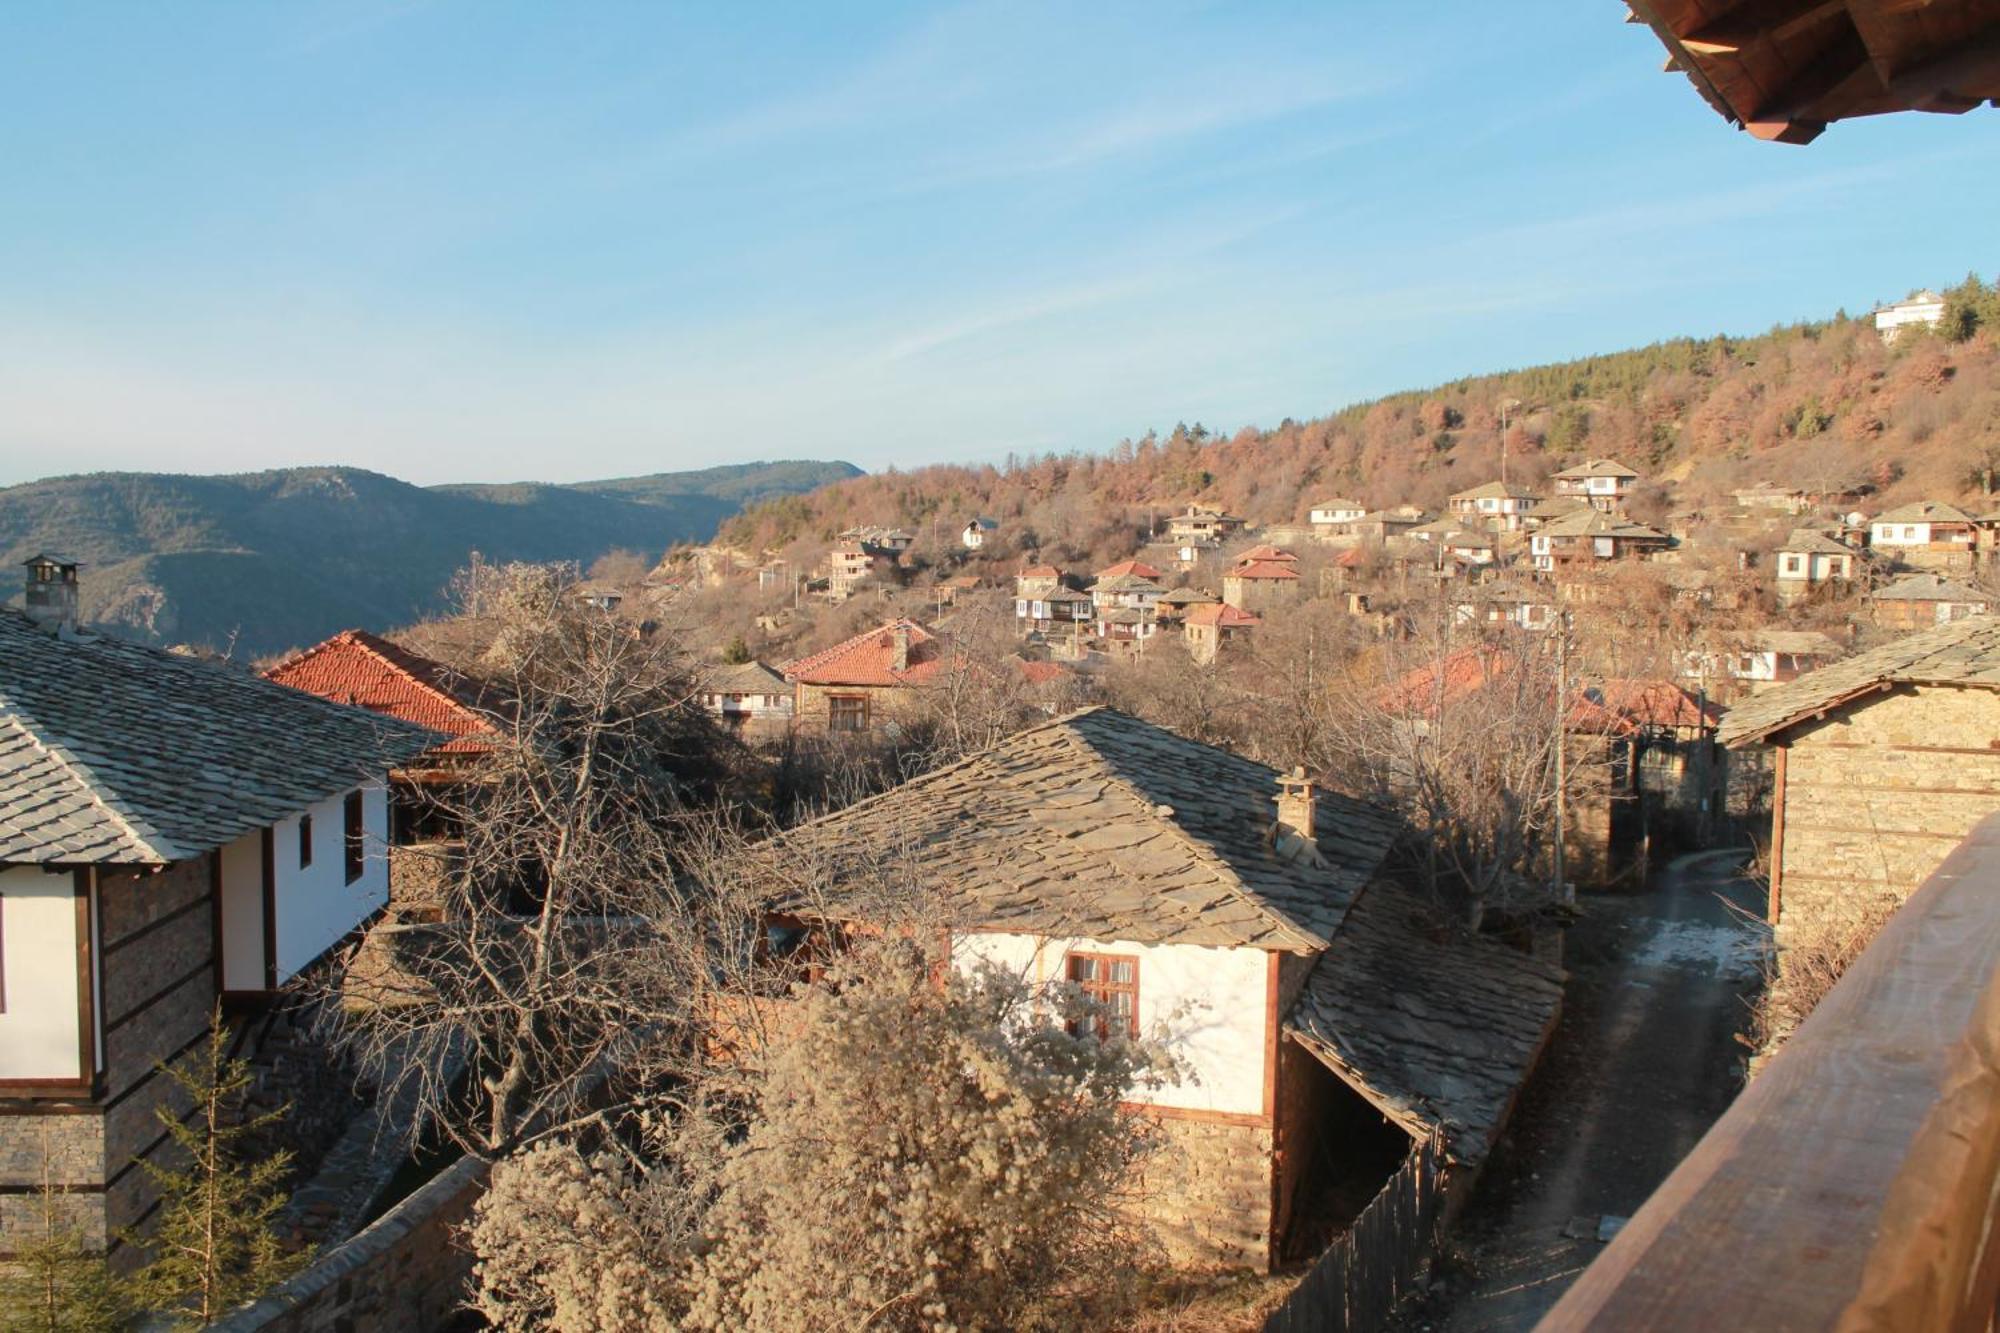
(1221, 614)
(1264, 569)
(867, 658)
(1474, 668)
(1137, 567)
(1659, 703)
(1041, 673)
(1040, 572)
(356, 667)
(1267, 553)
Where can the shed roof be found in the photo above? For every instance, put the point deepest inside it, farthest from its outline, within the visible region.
(1965, 652)
(1100, 825)
(116, 753)
(1436, 1028)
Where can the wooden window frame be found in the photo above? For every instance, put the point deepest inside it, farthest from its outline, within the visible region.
(1102, 990)
(354, 812)
(839, 705)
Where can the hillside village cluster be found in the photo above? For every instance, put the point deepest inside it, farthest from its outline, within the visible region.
(176, 831)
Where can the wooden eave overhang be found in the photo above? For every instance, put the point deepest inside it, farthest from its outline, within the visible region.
(1786, 69)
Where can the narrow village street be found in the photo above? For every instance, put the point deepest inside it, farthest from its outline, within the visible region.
(1645, 1059)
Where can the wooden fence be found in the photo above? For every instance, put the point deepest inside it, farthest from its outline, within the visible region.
(1357, 1283)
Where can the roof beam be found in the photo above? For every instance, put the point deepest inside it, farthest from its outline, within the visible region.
(1956, 81)
(1746, 23)
(1798, 111)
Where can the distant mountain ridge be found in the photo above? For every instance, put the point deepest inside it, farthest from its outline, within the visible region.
(270, 560)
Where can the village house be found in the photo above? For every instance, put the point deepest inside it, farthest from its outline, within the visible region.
(1925, 535)
(367, 671)
(1809, 560)
(1034, 580)
(1209, 626)
(976, 533)
(1507, 605)
(1262, 578)
(1499, 505)
(1173, 607)
(749, 697)
(172, 830)
(1919, 601)
(1200, 525)
(1600, 483)
(1131, 592)
(1053, 608)
(888, 541)
(1548, 511)
(1770, 495)
(1383, 524)
(1590, 535)
(848, 565)
(1335, 517)
(1920, 309)
(1754, 660)
(874, 682)
(1328, 1020)
(1883, 764)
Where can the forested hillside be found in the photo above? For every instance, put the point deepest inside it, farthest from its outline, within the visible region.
(281, 558)
(1824, 405)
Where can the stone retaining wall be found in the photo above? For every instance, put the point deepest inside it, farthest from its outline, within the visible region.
(404, 1271)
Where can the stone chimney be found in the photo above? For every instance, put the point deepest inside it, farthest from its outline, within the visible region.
(1294, 835)
(52, 592)
(899, 660)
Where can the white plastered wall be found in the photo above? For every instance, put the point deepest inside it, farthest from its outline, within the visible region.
(38, 1030)
(316, 904)
(1210, 1003)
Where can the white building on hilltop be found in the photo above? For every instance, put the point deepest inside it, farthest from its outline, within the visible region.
(1925, 308)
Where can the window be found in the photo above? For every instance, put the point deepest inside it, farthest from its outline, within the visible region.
(357, 835)
(1113, 981)
(305, 841)
(1792, 563)
(847, 712)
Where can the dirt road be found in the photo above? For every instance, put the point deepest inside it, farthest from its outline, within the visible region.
(1644, 1061)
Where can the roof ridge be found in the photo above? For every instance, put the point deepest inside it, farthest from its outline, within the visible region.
(373, 645)
(129, 822)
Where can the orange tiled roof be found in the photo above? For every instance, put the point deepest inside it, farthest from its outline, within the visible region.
(1474, 668)
(1267, 553)
(1221, 615)
(867, 658)
(1040, 572)
(356, 667)
(1659, 703)
(1138, 567)
(1264, 569)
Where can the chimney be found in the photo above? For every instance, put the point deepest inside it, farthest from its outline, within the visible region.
(1294, 834)
(52, 592)
(900, 661)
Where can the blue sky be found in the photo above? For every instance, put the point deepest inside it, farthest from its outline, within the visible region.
(457, 241)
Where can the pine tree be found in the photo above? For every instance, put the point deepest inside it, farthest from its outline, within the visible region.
(53, 1282)
(215, 1246)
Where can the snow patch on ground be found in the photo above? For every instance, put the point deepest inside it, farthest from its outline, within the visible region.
(1730, 950)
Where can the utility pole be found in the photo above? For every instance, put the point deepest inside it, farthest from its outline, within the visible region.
(1562, 750)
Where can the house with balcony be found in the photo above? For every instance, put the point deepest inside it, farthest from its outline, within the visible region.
(1497, 505)
(1203, 526)
(1926, 535)
(1601, 483)
(1921, 309)
(1334, 518)
(750, 697)
(173, 831)
(1587, 536)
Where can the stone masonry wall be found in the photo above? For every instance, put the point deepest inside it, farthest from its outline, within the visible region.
(1207, 1192)
(70, 1148)
(404, 1271)
(1878, 794)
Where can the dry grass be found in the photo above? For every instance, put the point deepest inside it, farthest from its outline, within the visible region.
(1209, 1301)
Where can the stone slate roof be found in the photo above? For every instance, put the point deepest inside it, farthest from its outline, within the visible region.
(1435, 1028)
(116, 753)
(1965, 652)
(743, 678)
(1926, 588)
(1100, 825)
(1924, 511)
(1807, 541)
(1495, 490)
(1597, 467)
(359, 668)
(1125, 583)
(1588, 522)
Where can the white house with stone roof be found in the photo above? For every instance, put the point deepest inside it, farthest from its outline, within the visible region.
(1240, 918)
(171, 830)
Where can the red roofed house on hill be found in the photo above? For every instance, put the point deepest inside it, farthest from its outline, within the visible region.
(865, 682)
(1209, 625)
(367, 671)
(1263, 578)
